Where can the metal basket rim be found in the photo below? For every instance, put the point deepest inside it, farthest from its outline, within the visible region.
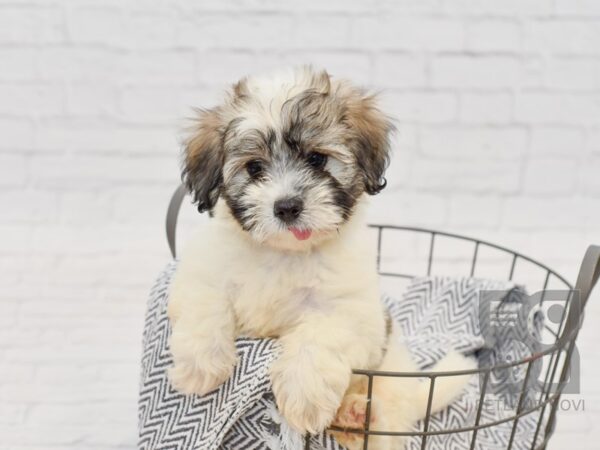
(475, 240)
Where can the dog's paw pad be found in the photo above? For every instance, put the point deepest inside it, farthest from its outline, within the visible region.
(353, 412)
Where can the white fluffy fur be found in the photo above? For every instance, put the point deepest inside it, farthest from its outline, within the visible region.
(322, 302)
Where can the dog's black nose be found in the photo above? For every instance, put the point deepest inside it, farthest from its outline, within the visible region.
(288, 209)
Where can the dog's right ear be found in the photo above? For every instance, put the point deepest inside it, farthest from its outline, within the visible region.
(203, 159)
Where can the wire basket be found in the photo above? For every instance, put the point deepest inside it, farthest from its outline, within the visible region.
(557, 357)
(425, 247)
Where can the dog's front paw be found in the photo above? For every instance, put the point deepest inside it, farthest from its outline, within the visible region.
(188, 379)
(352, 413)
(307, 397)
(199, 369)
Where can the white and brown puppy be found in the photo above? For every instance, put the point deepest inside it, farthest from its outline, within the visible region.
(284, 164)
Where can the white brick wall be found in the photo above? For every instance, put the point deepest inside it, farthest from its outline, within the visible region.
(498, 107)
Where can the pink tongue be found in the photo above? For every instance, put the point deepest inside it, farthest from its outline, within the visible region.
(301, 235)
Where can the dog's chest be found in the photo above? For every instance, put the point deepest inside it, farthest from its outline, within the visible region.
(272, 294)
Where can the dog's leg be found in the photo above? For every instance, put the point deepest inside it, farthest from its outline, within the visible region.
(203, 332)
(447, 388)
(313, 372)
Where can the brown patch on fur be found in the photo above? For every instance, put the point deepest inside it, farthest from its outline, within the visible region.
(240, 91)
(321, 82)
(204, 158)
(369, 132)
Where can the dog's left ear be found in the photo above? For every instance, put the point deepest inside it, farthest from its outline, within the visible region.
(204, 158)
(371, 129)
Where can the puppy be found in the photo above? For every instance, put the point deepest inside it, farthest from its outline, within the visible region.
(397, 403)
(284, 165)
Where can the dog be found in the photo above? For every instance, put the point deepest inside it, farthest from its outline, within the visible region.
(285, 166)
(397, 403)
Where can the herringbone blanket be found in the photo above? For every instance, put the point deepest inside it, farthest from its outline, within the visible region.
(435, 314)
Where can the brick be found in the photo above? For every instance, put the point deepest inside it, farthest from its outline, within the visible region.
(99, 25)
(11, 414)
(399, 33)
(85, 208)
(31, 99)
(103, 171)
(591, 181)
(474, 211)
(555, 108)
(321, 31)
(122, 437)
(34, 436)
(505, 8)
(18, 64)
(417, 208)
(17, 134)
(411, 6)
(29, 24)
(156, 30)
(159, 67)
(332, 6)
(352, 65)
(10, 307)
(584, 8)
(228, 31)
(493, 35)
(399, 70)
(13, 170)
(486, 108)
(557, 142)
(404, 147)
(92, 99)
(154, 104)
(500, 177)
(573, 73)
(594, 141)
(482, 143)
(86, 135)
(427, 107)
(549, 37)
(551, 177)
(91, 65)
(135, 204)
(16, 238)
(221, 68)
(540, 213)
(475, 71)
(107, 413)
(28, 206)
(103, 270)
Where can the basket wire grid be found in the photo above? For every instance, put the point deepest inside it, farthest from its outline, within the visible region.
(557, 356)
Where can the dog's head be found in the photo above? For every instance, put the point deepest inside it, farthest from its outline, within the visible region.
(290, 155)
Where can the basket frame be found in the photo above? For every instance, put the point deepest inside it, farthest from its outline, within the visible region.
(566, 335)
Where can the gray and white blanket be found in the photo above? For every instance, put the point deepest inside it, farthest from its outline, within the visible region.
(488, 319)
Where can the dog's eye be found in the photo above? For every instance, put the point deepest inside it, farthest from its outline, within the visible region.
(254, 168)
(317, 160)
